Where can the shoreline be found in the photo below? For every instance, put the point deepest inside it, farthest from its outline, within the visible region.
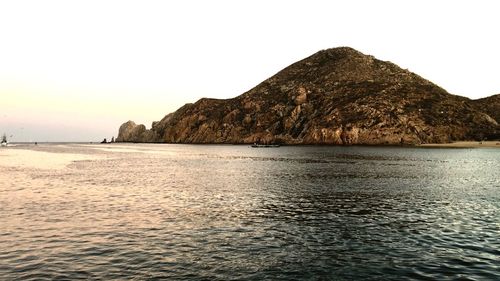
(457, 144)
(464, 144)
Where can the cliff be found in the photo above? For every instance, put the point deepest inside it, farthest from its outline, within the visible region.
(131, 132)
(336, 96)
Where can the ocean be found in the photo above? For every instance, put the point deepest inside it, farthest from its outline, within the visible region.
(232, 212)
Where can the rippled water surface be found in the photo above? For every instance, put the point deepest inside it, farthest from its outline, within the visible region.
(233, 212)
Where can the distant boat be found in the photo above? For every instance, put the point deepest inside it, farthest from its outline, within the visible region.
(4, 140)
(255, 145)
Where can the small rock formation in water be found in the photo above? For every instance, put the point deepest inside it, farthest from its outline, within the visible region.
(104, 141)
(336, 96)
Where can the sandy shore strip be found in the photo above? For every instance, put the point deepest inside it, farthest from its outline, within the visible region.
(465, 144)
(27, 158)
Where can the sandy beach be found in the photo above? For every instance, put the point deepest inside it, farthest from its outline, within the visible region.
(465, 144)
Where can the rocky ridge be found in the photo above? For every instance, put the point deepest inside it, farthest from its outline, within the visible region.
(336, 96)
(490, 105)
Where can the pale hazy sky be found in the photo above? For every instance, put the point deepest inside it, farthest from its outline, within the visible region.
(76, 70)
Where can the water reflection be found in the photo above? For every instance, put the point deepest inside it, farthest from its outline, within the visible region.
(232, 212)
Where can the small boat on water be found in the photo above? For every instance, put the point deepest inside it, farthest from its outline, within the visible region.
(4, 140)
(255, 145)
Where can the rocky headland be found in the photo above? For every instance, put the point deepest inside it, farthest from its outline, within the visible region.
(336, 96)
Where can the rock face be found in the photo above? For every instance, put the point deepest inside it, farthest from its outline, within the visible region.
(131, 132)
(336, 96)
(491, 106)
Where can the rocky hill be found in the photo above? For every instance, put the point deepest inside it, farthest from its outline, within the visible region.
(336, 96)
(490, 105)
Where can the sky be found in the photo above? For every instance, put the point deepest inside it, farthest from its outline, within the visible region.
(77, 70)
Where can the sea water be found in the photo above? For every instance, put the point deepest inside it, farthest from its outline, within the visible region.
(223, 212)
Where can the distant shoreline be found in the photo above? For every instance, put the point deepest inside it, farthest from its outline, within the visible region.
(464, 144)
(458, 144)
